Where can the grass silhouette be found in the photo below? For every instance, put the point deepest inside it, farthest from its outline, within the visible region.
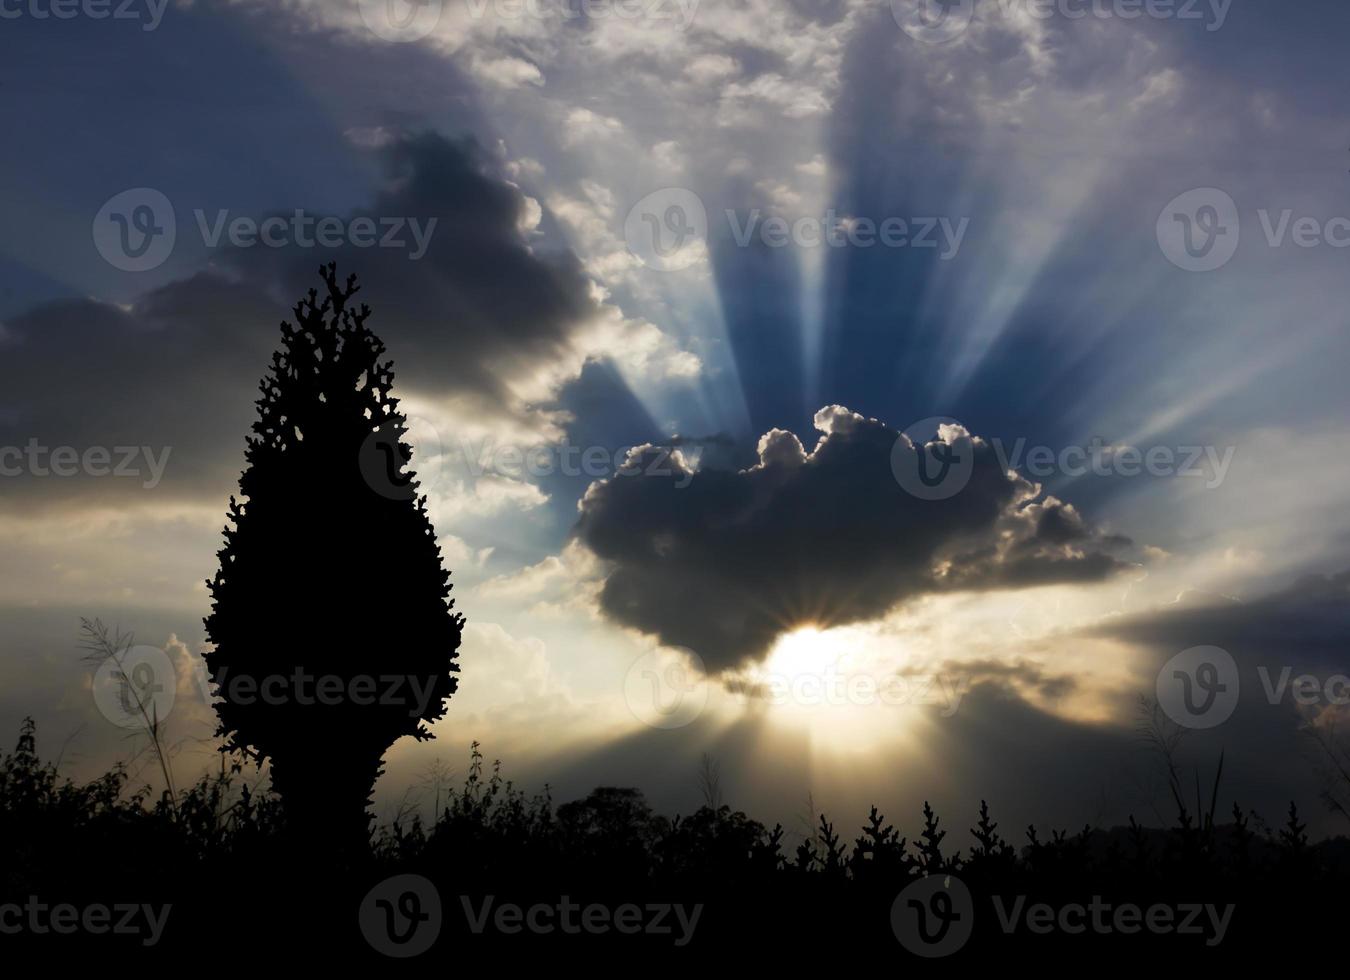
(218, 852)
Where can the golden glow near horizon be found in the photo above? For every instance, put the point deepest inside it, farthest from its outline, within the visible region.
(848, 688)
(854, 688)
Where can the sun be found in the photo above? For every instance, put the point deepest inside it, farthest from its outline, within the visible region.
(827, 683)
(805, 652)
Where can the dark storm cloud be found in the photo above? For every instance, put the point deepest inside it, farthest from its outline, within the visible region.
(179, 367)
(1305, 626)
(177, 371)
(606, 414)
(723, 562)
(1020, 673)
(1275, 639)
(480, 299)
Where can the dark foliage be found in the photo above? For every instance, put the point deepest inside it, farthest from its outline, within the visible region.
(330, 574)
(223, 852)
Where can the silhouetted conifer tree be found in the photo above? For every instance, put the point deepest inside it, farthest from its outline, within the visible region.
(333, 628)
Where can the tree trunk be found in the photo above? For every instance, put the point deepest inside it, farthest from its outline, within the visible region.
(325, 800)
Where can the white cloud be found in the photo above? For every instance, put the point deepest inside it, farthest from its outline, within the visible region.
(815, 167)
(711, 68)
(668, 154)
(507, 72)
(583, 125)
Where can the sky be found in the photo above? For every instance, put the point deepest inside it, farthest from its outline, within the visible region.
(680, 295)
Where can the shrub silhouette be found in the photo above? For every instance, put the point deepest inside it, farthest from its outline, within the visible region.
(107, 840)
(333, 628)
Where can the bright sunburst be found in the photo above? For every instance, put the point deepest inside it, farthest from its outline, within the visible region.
(837, 685)
(805, 652)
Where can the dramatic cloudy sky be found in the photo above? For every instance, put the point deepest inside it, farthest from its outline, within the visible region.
(682, 474)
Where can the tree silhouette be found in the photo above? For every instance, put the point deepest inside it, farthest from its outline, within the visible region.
(333, 628)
